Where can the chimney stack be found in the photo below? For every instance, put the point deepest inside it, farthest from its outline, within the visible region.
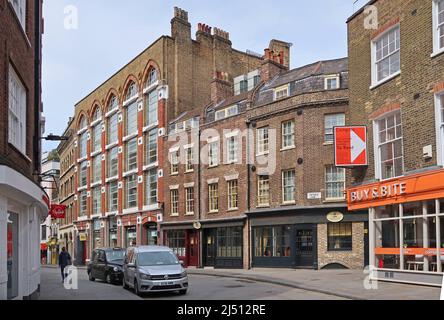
(276, 60)
(221, 87)
(180, 26)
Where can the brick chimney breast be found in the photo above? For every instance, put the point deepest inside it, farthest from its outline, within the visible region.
(180, 27)
(221, 87)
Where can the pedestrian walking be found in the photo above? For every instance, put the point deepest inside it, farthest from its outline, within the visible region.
(64, 261)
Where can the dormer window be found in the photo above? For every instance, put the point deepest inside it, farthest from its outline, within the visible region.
(281, 92)
(332, 83)
(227, 112)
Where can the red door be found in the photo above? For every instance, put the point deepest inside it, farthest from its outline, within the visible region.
(193, 249)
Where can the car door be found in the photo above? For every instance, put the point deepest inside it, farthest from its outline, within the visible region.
(101, 265)
(93, 264)
(126, 269)
(132, 268)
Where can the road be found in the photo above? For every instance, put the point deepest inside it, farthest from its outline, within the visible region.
(201, 288)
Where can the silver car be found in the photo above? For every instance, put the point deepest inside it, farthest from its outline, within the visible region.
(153, 269)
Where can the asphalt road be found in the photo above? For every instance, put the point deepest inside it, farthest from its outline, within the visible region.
(201, 288)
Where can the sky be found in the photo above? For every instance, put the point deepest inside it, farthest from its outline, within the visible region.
(110, 33)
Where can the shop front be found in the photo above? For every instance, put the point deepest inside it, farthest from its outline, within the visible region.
(96, 234)
(222, 245)
(406, 224)
(184, 241)
(112, 232)
(310, 238)
(130, 236)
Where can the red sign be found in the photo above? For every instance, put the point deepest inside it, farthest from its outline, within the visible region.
(58, 211)
(350, 146)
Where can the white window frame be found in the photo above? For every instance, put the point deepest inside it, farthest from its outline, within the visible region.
(189, 159)
(133, 186)
(290, 134)
(152, 107)
(330, 78)
(20, 10)
(213, 154)
(131, 161)
(278, 93)
(374, 69)
(284, 186)
(263, 143)
(213, 197)
(327, 182)
(174, 162)
(263, 193)
(83, 203)
(151, 147)
(131, 123)
(113, 125)
(97, 137)
(150, 182)
(97, 166)
(233, 194)
(376, 145)
(329, 131)
(439, 119)
(174, 202)
(436, 36)
(97, 200)
(109, 162)
(232, 149)
(111, 206)
(17, 110)
(189, 201)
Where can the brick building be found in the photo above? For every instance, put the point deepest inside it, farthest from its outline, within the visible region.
(396, 89)
(251, 180)
(118, 128)
(23, 204)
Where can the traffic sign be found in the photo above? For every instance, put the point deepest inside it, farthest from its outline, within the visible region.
(350, 146)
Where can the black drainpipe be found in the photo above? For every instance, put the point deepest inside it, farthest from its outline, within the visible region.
(37, 87)
(248, 123)
(199, 196)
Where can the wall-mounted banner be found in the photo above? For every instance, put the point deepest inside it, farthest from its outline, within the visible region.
(350, 146)
(58, 211)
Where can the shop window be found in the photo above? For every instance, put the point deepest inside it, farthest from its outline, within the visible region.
(130, 236)
(340, 237)
(112, 232)
(272, 241)
(176, 241)
(391, 211)
(229, 242)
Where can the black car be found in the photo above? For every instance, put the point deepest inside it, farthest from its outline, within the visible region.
(106, 264)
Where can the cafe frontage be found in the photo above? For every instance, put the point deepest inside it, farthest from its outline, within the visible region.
(406, 227)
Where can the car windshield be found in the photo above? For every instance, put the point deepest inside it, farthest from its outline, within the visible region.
(115, 255)
(161, 258)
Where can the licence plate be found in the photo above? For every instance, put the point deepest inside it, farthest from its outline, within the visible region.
(168, 283)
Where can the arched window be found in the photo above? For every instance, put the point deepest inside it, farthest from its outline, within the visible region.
(113, 104)
(132, 91)
(152, 77)
(82, 123)
(97, 114)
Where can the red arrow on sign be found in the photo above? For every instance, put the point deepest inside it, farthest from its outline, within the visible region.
(350, 146)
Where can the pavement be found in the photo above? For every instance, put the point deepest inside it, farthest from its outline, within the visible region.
(347, 284)
(317, 284)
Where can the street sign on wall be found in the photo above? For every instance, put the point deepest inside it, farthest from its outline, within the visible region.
(350, 146)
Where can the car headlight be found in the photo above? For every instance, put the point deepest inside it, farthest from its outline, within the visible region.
(116, 269)
(183, 274)
(145, 276)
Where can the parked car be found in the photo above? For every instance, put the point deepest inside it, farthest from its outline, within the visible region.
(106, 264)
(153, 269)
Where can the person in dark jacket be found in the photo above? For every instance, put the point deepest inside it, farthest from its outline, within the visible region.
(64, 261)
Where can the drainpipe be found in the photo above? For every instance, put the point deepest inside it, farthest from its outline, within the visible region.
(248, 123)
(37, 87)
(199, 196)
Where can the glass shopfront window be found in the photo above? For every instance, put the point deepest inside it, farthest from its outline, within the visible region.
(131, 236)
(406, 236)
(176, 241)
(96, 234)
(229, 242)
(272, 241)
(112, 232)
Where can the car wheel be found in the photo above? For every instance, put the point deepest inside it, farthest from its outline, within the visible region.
(108, 279)
(183, 292)
(136, 288)
(125, 286)
(90, 277)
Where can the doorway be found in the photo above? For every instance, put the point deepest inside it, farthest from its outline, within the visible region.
(12, 255)
(151, 234)
(209, 247)
(305, 238)
(193, 248)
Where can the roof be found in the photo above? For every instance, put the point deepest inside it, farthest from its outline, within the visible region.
(357, 13)
(314, 69)
(151, 248)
